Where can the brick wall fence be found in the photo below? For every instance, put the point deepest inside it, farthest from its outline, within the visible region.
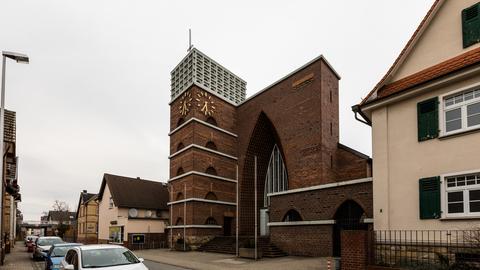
(354, 250)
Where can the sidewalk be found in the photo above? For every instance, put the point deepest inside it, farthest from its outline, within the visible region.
(217, 261)
(19, 259)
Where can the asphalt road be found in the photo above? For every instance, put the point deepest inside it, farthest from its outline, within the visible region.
(161, 266)
(151, 266)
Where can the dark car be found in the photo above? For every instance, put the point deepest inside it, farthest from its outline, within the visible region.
(56, 253)
(43, 245)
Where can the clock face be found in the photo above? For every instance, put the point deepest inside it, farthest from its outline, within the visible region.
(185, 103)
(205, 103)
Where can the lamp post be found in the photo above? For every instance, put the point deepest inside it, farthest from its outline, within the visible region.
(20, 58)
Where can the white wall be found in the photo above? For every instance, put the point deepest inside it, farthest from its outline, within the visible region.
(400, 161)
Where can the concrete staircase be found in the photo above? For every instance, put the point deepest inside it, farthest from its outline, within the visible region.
(220, 244)
(226, 244)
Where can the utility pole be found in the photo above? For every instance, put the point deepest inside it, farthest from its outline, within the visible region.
(256, 211)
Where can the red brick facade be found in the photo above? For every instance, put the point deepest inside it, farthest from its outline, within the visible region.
(354, 250)
(300, 115)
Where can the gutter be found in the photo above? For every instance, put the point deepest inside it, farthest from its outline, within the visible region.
(357, 110)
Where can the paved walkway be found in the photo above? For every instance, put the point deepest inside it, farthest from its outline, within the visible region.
(217, 261)
(20, 259)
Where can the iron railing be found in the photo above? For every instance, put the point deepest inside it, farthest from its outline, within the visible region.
(426, 249)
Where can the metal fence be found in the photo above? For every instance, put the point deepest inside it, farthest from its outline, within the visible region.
(149, 245)
(425, 249)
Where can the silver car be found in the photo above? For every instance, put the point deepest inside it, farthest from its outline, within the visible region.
(43, 245)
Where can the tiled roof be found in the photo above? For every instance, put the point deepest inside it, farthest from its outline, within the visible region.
(454, 64)
(403, 53)
(135, 192)
(87, 196)
(61, 215)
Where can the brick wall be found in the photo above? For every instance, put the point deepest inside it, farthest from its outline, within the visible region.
(354, 250)
(323, 203)
(303, 240)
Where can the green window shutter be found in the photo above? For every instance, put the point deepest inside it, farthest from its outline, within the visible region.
(427, 113)
(429, 189)
(471, 25)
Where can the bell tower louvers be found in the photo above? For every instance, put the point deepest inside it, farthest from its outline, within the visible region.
(203, 149)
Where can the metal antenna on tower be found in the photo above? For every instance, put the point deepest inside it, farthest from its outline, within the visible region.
(190, 46)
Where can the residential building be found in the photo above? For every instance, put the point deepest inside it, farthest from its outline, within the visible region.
(56, 217)
(10, 189)
(87, 218)
(425, 118)
(62, 223)
(272, 163)
(132, 212)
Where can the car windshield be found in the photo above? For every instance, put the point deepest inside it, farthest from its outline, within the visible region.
(49, 241)
(107, 257)
(60, 251)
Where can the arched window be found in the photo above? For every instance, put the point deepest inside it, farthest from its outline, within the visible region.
(180, 171)
(211, 170)
(211, 196)
(292, 215)
(211, 120)
(180, 121)
(179, 221)
(180, 146)
(276, 179)
(211, 145)
(179, 196)
(211, 221)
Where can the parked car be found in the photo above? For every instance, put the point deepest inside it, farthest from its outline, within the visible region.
(43, 245)
(101, 257)
(56, 254)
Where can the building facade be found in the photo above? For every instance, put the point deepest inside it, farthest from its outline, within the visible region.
(285, 139)
(425, 114)
(11, 189)
(132, 212)
(87, 218)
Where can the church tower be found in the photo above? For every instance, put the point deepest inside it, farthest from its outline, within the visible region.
(203, 149)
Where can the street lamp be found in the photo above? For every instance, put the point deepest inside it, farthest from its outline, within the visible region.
(20, 58)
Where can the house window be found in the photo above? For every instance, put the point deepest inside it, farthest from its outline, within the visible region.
(292, 215)
(110, 203)
(211, 170)
(211, 221)
(462, 195)
(116, 234)
(461, 112)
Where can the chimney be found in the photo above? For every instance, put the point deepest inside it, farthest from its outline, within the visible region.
(138, 178)
(84, 191)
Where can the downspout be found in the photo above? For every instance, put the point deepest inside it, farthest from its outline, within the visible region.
(357, 110)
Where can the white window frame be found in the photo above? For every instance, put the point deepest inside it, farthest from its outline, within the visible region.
(463, 106)
(466, 200)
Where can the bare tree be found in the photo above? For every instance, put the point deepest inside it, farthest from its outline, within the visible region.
(60, 206)
(63, 222)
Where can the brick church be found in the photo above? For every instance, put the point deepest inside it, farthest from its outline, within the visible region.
(285, 138)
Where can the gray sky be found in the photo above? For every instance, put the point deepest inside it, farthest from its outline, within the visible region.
(95, 97)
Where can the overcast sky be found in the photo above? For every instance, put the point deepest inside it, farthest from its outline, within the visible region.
(94, 98)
